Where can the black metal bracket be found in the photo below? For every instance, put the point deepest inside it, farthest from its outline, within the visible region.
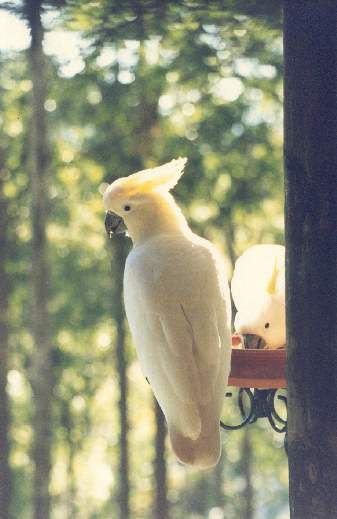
(261, 404)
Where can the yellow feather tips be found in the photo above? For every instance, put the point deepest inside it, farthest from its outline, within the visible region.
(163, 177)
(271, 287)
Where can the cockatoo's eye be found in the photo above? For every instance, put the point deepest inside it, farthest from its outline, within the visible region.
(127, 208)
(267, 325)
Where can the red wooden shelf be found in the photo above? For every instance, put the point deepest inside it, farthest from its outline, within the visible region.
(257, 368)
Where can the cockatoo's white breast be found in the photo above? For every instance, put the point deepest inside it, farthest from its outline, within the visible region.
(187, 271)
(175, 266)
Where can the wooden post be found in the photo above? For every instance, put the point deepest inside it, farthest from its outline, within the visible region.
(310, 46)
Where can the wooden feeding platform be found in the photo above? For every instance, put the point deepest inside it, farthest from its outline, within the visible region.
(257, 368)
(259, 375)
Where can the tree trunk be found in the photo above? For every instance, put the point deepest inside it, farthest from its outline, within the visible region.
(161, 503)
(148, 118)
(246, 467)
(311, 223)
(229, 238)
(72, 447)
(119, 255)
(5, 485)
(42, 376)
(217, 474)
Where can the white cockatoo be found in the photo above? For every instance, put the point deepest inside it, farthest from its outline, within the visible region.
(177, 304)
(258, 290)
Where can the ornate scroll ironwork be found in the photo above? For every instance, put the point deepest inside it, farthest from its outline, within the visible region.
(259, 403)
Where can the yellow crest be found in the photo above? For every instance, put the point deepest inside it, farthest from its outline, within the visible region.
(163, 177)
(271, 287)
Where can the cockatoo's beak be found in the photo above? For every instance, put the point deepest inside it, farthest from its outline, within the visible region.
(251, 341)
(114, 224)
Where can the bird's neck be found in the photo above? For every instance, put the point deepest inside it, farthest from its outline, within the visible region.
(161, 216)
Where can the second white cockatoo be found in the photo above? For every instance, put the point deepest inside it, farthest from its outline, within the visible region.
(258, 291)
(178, 307)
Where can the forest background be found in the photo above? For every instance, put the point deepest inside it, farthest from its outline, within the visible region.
(125, 86)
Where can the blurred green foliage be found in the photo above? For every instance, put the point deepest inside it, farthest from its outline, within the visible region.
(200, 82)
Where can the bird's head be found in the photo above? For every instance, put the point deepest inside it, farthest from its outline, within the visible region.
(266, 321)
(264, 317)
(142, 203)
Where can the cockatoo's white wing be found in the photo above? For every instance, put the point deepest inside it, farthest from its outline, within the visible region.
(253, 272)
(177, 304)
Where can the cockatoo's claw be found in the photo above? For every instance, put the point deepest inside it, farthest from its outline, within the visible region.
(114, 224)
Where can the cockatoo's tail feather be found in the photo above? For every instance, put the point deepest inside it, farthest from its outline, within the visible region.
(204, 452)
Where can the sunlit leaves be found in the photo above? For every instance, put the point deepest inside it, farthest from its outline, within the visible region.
(198, 81)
